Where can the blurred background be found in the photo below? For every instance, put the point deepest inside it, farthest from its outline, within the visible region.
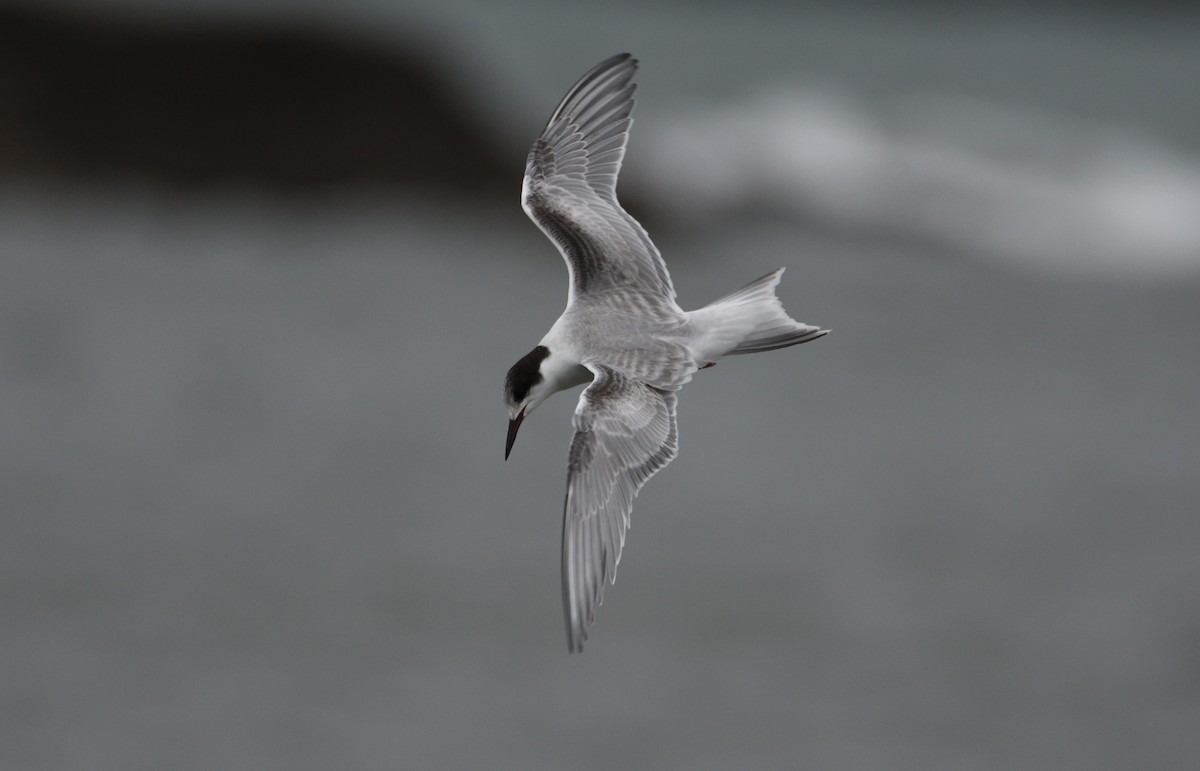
(263, 268)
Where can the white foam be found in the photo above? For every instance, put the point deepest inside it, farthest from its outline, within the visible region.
(981, 178)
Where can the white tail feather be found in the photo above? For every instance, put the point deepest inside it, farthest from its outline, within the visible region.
(747, 321)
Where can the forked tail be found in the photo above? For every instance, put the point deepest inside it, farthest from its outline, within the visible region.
(747, 321)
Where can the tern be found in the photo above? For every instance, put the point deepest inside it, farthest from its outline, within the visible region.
(622, 332)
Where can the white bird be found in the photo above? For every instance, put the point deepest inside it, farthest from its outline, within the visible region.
(622, 332)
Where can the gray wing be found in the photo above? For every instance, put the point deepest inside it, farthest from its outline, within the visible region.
(625, 432)
(570, 187)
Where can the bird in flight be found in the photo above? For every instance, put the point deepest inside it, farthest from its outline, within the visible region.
(622, 332)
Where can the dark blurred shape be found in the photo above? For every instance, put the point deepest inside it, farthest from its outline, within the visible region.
(110, 97)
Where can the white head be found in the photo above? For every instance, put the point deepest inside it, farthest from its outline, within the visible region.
(525, 387)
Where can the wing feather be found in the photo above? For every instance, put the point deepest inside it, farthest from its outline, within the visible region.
(625, 432)
(569, 190)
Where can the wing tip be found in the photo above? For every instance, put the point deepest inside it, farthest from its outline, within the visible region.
(614, 60)
(576, 625)
(613, 64)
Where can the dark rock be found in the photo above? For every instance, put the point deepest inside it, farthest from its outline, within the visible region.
(188, 105)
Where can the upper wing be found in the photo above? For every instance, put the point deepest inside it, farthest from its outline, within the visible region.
(570, 186)
(624, 432)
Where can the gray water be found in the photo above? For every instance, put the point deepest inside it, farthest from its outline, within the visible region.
(257, 514)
